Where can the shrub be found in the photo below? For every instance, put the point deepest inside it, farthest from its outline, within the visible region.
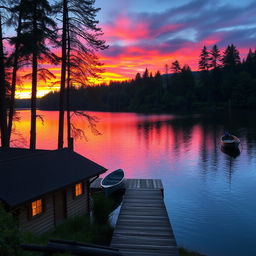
(9, 235)
(102, 208)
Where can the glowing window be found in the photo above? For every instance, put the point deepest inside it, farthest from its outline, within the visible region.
(78, 189)
(37, 207)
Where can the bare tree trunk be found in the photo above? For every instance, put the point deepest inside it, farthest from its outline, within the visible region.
(34, 85)
(70, 144)
(3, 114)
(14, 76)
(63, 76)
(33, 103)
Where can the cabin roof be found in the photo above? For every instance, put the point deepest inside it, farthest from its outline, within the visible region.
(28, 174)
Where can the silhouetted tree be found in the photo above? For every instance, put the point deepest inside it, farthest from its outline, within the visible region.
(17, 8)
(145, 75)
(37, 28)
(158, 77)
(137, 77)
(175, 67)
(188, 82)
(3, 118)
(250, 62)
(69, 138)
(187, 78)
(166, 68)
(79, 17)
(204, 59)
(231, 57)
(63, 72)
(215, 57)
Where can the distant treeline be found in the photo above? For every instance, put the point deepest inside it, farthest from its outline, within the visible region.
(223, 80)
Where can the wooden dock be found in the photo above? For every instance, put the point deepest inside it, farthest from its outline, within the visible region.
(134, 184)
(143, 227)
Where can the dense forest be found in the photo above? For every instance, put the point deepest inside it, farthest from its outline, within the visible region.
(222, 80)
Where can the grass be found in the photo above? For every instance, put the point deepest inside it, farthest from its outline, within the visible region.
(77, 228)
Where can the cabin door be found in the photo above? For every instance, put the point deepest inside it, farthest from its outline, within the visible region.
(59, 207)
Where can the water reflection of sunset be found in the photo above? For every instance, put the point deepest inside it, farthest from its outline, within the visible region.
(129, 140)
(125, 139)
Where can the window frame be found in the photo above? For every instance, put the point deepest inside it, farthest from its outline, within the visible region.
(42, 208)
(74, 190)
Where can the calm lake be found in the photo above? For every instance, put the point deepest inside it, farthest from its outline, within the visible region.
(210, 196)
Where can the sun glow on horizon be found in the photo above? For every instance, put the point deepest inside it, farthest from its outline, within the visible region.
(26, 94)
(106, 78)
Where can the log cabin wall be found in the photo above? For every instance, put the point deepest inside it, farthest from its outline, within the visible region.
(37, 224)
(77, 206)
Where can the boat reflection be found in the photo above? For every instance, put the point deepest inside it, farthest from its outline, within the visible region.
(232, 151)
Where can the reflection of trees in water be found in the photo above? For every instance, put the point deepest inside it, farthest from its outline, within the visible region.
(143, 130)
(183, 137)
(153, 130)
(216, 141)
(17, 138)
(204, 152)
(19, 141)
(184, 131)
(179, 132)
(158, 126)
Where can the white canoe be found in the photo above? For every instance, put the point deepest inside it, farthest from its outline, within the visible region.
(113, 182)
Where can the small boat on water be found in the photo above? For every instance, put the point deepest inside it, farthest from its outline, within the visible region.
(229, 141)
(113, 182)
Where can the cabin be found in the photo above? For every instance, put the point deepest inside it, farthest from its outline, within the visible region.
(42, 188)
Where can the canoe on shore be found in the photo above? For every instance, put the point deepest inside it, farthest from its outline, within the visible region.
(113, 182)
(229, 141)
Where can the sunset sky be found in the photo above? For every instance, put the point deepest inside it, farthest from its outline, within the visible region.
(151, 33)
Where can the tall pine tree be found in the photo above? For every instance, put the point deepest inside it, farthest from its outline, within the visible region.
(204, 59)
(38, 31)
(250, 62)
(231, 57)
(17, 9)
(215, 57)
(79, 20)
(3, 118)
(175, 67)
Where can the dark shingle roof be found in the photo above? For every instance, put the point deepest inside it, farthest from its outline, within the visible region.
(17, 152)
(26, 175)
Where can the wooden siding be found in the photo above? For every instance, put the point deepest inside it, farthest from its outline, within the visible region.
(60, 207)
(37, 224)
(77, 206)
